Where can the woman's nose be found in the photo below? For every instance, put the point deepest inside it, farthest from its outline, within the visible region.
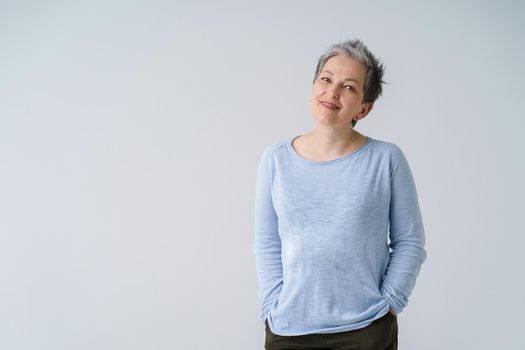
(334, 92)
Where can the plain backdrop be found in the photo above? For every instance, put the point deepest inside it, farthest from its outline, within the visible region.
(130, 133)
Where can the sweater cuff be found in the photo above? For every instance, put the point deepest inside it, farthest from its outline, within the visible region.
(393, 304)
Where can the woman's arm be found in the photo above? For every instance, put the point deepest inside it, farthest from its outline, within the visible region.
(267, 243)
(407, 236)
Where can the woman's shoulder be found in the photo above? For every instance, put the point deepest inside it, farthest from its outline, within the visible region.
(386, 146)
(274, 147)
(391, 152)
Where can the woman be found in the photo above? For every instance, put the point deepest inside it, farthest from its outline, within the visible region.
(324, 203)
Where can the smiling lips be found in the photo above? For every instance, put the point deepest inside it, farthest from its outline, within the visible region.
(329, 105)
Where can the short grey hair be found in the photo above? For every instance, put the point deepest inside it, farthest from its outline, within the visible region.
(374, 68)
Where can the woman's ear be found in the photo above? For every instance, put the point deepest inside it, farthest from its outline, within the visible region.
(367, 107)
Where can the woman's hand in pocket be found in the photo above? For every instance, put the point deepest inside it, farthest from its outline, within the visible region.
(392, 312)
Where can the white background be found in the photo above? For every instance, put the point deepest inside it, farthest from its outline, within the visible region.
(130, 133)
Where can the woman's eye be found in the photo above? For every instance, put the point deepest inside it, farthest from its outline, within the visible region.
(349, 87)
(325, 79)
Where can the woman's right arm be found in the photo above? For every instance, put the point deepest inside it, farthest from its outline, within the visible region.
(267, 243)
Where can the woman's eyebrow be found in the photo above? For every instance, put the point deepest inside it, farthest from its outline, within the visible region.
(351, 79)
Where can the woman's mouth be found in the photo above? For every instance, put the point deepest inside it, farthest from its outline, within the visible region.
(329, 105)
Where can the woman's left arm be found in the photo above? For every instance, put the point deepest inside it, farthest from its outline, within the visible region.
(407, 236)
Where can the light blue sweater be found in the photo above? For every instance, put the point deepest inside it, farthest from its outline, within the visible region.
(321, 227)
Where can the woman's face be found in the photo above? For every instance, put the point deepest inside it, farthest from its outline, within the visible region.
(338, 91)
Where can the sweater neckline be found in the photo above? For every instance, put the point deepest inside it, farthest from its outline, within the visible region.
(310, 161)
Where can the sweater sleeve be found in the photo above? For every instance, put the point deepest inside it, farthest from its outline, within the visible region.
(267, 243)
(407, 237)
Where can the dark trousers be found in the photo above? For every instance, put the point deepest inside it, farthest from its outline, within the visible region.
(379, 335)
